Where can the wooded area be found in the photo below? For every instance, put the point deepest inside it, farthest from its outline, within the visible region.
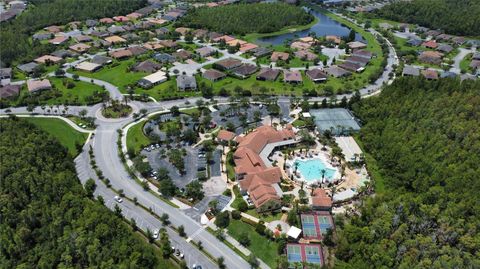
(16, 34)
(247, 18)
(456, 17)
(47, 220)
(425, 137)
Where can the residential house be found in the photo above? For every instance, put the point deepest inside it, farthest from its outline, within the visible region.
(459, 40)
(101, 60)
(121, 54)
(9, 91)
(292, 76)
(225, 38)
(106, 21)
(337, 72)
(168, 43)
(448, 74)
(205, 51)
(80, 47)
(115, 39)
(415, 42)
(134, 15)
(35, 86)
(316, 75)
(430, 74)
(53, 29)
(443, 37)
(88, 66)
(182, 55)
(363, 53)
(227, 64)
(200, 33)
(277, 55)
(357, 60)
(245, 70)
(121, 18)
(147, 66)
(268, 74)
(153, 45)
(162, 31)
(431, 44)
(333, 38)
(153, 79)
(352, 67)
(445, 48)
(64, 53)
(306, 55)
(354, 45)
(82, 38)
(261, 51)
(91, 23)
(115, 29)
(297, 45)
(410, 71)
(28, 67)
(48, 59)
(433, 33)
(475, 64)
(137, 50)
(186, 82)
(42, 36)
(183, 30)
(246, 47)
(213, 75)
(164, 58)
(385, 26)
(431, 57)
(5, 73)
(58, 40)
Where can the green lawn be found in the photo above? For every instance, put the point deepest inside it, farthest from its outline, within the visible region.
(136, 139)
(267, 217)
(65, 134)
(465, 63)
(116, 73)
(82, 92)
(260, 246)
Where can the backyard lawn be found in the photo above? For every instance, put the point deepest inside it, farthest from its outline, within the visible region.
(65, 134)
(82, 92)
(264, 249)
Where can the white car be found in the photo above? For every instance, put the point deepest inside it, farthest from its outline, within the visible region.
(118, 199)
(155, 233)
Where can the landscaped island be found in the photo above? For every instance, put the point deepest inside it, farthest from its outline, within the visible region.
(247, 18)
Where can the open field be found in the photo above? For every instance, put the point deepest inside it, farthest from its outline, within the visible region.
(65, 134)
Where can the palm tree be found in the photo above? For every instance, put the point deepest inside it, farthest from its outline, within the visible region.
(323, 171)
(43, 108)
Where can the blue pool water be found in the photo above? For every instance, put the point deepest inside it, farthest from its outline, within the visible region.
(311, 170)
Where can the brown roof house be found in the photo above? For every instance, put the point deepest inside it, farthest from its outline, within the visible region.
(121, 54)
(205, 51)
(292, 76)
(227, 64)
(316, 75)
(268, 74)
(431, 44)
(34, 86)
(357, 45)
(256, 179)
(9, 91)
(431, 57)
(277, 55)
(114, 39)
(58, 40)
(244, 70)
(147, 66)
(45, 59)
(80, 47)
(306, 55)
(430, 74)
(213, 75)
(182, 55)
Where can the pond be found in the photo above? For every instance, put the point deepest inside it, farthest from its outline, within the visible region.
(324, 26)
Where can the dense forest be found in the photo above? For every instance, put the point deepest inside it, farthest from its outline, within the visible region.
(15, 35)
(425, 137)
(47, 220)
(247, 18)
(456, 17)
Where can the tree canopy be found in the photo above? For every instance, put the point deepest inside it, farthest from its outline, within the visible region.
(15, 34)
(47, 219)
(247, 18)
(424, 136)
(457, 17)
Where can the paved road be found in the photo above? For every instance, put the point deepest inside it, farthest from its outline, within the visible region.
(458, 58)
(142, 217)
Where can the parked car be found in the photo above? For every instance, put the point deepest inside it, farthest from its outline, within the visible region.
(118, 199)
(156, 232)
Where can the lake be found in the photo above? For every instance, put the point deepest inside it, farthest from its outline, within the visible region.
(324, 26)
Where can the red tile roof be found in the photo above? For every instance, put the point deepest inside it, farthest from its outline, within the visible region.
(321, 199)
(224, 135)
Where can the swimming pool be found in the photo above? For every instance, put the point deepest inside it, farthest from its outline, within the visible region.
(311, 170)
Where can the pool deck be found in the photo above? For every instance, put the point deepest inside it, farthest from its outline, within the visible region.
(320, 156)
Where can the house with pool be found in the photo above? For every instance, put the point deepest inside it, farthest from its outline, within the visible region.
(258, 178)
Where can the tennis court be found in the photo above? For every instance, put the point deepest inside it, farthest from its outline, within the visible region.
(324, 223)
(308, 226)
(338, 120)
(294, 253)
(312, 254)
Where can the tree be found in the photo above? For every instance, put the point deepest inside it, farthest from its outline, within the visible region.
(165, 219)
(117, 210)
(242, 205)
(133, 223)
(149, 235)
(252, 260)
(167, 187)
(223, 219)
(90, 186)
(194, 190)
(244, 239)
(181, 231)
(221, 262)
(82, 113)
(260, 228)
